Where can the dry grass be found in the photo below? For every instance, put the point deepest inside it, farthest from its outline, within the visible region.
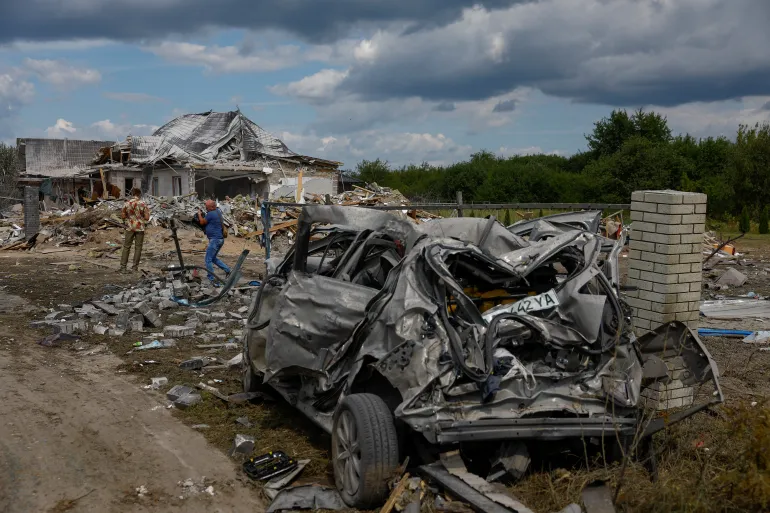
(718, 462)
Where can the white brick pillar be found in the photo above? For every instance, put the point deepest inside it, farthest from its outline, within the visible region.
(665, 259)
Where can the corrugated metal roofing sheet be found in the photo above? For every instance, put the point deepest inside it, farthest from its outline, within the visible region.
(207, 137)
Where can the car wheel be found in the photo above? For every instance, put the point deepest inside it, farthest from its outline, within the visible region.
(364, 450)
(251, 381)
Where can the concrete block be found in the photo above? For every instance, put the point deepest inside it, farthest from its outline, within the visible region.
(642, 265)
(662, 218)
(656, 317)
(692, 238)
(687, 315)
(688, 296)
(638, 303)
(694, 219)
(658, 297)
(188, 400)
(640, 284)
(643, 324)
(675, 229)
(181, 289)
(635, 254)
(659, 278)
(671, 288)
(675, 209)
(696, 267)
(634, 273)
(156, 383)
(692, 258)
(699, 228)
(672, 249)
(218, 315)
(242, 445)
(666, 308)
(101, 329)
(672, 268)
(701, 209)
(167, 304)
(243, 310)
(641, 206)
(153, 319)
(643, 226)
(660, 259)
(637, 216)
(690, 277)
(660, 238)
(178, 331)
(637, 196)
(695, 306)
(117, 332)
(641, 246)
(234, 315)
(694, 198)
(666, 197)
(696, 286)
(203, 316)
(178, 391)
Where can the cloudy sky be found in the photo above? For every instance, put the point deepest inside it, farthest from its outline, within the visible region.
(402, 80)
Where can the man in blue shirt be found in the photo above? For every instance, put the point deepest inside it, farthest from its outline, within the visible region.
(214, 229)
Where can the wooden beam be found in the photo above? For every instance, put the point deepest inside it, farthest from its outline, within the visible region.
(104, 184)
(275, 228)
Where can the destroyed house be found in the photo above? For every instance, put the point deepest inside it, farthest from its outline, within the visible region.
(215, 154)
(54, 165)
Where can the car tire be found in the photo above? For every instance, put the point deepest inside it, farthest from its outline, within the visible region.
(365, 451)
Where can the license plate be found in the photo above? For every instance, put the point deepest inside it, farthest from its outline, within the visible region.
(526, 305)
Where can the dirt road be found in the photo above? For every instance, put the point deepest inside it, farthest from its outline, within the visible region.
(77, 434)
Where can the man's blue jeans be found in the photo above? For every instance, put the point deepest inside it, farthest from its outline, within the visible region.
(211, 257)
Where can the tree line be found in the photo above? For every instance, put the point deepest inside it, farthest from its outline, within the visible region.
(625, 152)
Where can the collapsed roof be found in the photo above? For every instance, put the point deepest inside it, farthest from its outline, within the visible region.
(208, 137)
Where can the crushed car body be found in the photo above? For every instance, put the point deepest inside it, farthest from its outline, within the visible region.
(466, 330)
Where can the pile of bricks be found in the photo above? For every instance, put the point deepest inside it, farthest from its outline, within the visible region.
(665, 259)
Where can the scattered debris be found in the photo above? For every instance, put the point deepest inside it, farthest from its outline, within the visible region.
(313, 497)
(732, 278)
(597, 498)
(244, 421)
(142, 491)
(56, 339)
(266, 466)
(276, 484)
(158, 382)
(157, 344)
(735, 308)
(201, 426)
(512, 459)
(242, 445)
(758, 337)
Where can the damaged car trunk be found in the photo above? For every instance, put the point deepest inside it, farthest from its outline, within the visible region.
(461, 332)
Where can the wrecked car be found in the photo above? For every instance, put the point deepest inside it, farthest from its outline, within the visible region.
(401, 339)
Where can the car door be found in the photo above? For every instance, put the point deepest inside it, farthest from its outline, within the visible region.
(312, 317)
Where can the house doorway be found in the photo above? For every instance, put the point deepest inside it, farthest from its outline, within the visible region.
(129, 186)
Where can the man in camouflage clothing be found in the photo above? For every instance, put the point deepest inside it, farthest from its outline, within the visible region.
(136, 214)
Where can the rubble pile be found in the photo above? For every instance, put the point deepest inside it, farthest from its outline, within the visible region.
(150, 309)
(241, 214)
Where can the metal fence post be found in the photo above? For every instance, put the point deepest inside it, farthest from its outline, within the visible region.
(266, 225)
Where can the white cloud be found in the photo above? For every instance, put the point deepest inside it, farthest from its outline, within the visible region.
(317, 87)
(133, 97)
(504, 151)
(716, 118)
(227, 59)
(60, 74)
(398, 148)
(119, 131)
(13, 94)
(67, 45)
(62, 128)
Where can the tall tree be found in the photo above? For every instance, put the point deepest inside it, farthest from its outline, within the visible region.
(611, 133)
